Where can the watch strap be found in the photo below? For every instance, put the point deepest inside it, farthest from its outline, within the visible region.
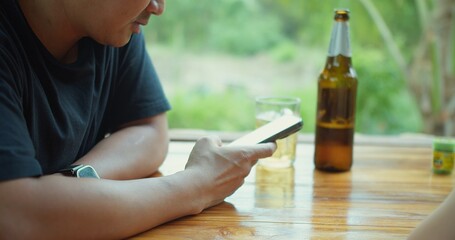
(80, 171)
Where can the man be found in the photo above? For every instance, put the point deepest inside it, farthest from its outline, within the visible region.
(77, 87)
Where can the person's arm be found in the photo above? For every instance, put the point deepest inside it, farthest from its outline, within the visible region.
(134, 151)
(59, 207)
(439, 224)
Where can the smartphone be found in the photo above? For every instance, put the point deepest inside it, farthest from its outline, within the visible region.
(270, 132)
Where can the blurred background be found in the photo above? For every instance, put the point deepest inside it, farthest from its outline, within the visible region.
(215, 57)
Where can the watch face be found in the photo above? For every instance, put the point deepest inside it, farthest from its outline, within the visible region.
(87, 172)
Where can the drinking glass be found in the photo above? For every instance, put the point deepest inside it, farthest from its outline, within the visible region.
(269, 108)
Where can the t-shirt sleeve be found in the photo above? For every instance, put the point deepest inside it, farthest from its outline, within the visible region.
(17, 154)
(139, 93)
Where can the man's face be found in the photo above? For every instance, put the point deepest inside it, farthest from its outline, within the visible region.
(112, 22)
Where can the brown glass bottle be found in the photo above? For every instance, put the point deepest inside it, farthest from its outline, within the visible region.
(337, 90)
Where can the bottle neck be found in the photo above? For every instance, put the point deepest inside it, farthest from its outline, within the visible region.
(339, 63)
(339, 41)
(339, 55)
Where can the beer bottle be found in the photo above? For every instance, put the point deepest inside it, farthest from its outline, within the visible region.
(337, 89)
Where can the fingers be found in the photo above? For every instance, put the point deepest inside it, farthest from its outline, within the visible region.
(240, 155)
(249, 153)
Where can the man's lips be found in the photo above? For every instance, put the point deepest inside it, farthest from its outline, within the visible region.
(142, 22)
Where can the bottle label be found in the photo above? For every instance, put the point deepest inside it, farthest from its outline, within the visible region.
(443, 161)
(339, 42)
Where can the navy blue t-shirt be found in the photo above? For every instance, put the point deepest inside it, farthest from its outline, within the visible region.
(51, 114)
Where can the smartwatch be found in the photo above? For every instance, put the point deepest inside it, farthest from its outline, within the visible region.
(80, 171)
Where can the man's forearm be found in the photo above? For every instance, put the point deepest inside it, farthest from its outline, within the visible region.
(71, 208)
(59, 207)
(133, 152)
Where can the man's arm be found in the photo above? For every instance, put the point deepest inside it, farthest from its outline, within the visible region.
(59, 207)
(136, 150)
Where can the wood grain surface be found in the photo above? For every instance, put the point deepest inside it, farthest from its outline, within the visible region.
(388, 191)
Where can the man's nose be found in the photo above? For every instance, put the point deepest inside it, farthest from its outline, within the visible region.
(155, 7)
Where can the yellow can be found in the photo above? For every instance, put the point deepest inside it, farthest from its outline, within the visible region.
(443, 156)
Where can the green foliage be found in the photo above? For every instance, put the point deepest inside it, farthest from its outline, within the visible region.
(229, 110)
(243, 39)
(384, 106)
(198, 109)
(246, 27)
(232, 26)
(279, 28)
(310, 22)
(286, 51)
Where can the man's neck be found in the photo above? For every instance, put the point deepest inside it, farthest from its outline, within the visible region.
(50, 25)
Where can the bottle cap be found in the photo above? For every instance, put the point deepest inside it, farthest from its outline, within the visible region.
(444, 144)
(341, 10)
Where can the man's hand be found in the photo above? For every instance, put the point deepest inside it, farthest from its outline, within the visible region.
(221, 170)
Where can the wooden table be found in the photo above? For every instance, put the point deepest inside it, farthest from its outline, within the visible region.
(389, 190)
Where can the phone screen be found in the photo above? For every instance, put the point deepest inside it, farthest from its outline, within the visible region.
(276, 129)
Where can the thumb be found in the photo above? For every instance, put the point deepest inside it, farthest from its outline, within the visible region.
(257, 151)
(265, 149)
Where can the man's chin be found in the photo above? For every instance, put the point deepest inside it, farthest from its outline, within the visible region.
(120, 43)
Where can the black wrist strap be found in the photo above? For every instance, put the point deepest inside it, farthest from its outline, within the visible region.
(71, 170)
